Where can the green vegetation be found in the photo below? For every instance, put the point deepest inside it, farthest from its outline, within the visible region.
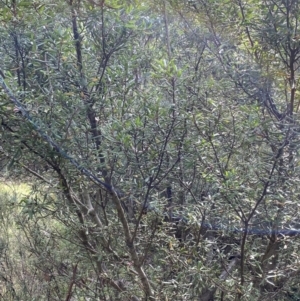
(156, 147)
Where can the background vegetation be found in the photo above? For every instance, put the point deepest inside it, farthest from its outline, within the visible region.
(156, 147)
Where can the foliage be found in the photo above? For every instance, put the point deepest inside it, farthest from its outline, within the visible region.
(162, 141)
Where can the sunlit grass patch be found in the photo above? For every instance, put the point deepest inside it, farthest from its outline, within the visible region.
(11, 188)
